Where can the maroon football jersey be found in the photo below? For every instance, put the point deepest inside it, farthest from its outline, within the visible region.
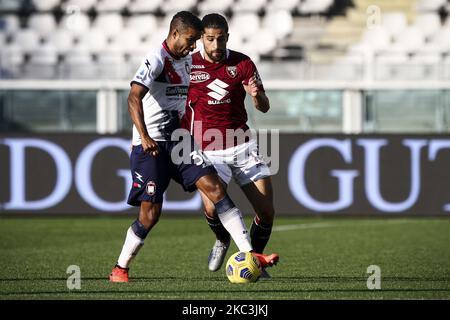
(216, 96)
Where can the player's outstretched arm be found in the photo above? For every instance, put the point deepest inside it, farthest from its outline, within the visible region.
(135, 108)
(260, 100)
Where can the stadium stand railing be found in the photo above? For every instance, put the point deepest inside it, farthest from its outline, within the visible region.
(313, 106)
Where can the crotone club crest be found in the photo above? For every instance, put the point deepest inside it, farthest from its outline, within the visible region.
(232, 71)
(151, 188)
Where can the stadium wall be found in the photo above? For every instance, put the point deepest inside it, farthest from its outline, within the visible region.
(320, 174)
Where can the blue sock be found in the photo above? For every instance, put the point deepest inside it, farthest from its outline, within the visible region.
(139, 229)
(224, 205)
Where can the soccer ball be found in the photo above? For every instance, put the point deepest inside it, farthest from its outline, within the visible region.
(243, 267)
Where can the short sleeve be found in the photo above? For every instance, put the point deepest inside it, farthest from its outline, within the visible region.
(250, 70)
(150, 68)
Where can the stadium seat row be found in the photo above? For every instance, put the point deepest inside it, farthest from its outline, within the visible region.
(78, 37)
(280, 22)
(394, 34)
(110, 32)
(169, 6)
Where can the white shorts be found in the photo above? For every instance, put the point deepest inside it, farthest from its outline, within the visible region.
(243, 162)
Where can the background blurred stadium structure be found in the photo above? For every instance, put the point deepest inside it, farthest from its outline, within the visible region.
(329, 66)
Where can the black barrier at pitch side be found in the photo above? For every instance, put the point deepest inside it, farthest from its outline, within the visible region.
(318, 174)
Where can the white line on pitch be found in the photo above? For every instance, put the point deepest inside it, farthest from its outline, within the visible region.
(303, 226)
(333, 225)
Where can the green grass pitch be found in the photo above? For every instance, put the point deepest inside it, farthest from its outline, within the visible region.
(321, 258)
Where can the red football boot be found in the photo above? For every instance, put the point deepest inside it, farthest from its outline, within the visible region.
(267, 260)
(119, 274)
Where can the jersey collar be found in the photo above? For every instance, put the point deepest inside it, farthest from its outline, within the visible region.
(166, 47)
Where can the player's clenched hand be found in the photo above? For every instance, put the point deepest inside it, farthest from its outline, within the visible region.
(252, 87)
(150, 146)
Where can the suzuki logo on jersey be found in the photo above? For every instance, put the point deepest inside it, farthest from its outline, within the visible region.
(218, 89)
